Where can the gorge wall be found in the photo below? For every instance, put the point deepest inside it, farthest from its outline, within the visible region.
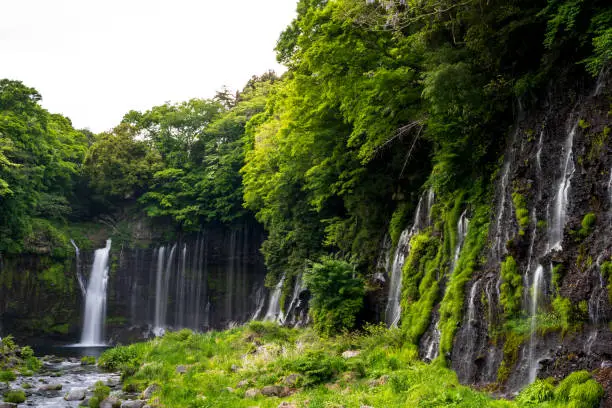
(519, 288)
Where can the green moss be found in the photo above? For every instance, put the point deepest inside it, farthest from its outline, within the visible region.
(606, 271)
(598, 143)
(7, 376)
(557, 275)
(419, 284)
(579, 390)
(399, 221)
(587, 225)
(511, 289)
(15, 396)
(521, 211)
(512, 344)
(536, 393)
(451, 306)
(583, 124)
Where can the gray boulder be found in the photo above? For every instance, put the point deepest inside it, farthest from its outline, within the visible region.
(133, 404)
(110, 402)
(75, 394)
(151, 389)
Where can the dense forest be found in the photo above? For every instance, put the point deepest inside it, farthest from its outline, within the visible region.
(396, 124)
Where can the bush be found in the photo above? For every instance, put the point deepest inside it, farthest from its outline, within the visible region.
(563, 390)
(100, 392)
(15, 396)
(316, 367)
(512, 287)
(115, 358)
(337, 295)
(88, 360)
(537, 392)
(6, 376)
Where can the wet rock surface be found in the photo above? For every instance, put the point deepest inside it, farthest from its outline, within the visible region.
(61, 383)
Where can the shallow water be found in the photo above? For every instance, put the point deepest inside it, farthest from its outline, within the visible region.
(70, 374)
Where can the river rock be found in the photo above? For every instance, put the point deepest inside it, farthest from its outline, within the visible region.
(50, 387)
(7, 405)
(351, 353)
(292, 380)
(151, 389)
(110, 402)
(133, 404)
(252, 393)
(75, 394)
(271, 390)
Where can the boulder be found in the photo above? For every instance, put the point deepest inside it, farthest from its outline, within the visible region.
(133, 404)
(110, 402)
(252, 393)
(271, 390)
(151, 389)
(181, 369)
(50, 387)
(7, 405)
(351, 353)
(75, 394)
(292, 380)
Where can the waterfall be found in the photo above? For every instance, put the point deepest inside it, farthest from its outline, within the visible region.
(431, 344)
(95, 300)
(393, 310)
(161, 289)
(297, 289)
(79, 272)
(274, 307)
(470, 332)
(561, 200)
(260, 302)
(537, 288)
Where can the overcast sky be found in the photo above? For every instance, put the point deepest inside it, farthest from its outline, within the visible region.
(94, 60)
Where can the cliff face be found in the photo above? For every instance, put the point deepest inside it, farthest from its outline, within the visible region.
(207, 280)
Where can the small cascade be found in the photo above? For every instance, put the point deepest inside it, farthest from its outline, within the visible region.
(79, 272)
(393, 309)
(470, 333)
(561, 200)
(430, 202)
(274, 313)
(260, 302)
(297, 289)
(537, 289)
(501, 233)
(599, 296)
(393, 312)
(95, 300)
(431, 344)
(462, 230)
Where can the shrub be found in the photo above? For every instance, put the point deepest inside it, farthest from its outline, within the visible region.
(6, 376)
(537, 392)
(512, 287)
(88, 360)
(587, 225)
(585, 395)
(115, 358)
(316, 367)
(562, 392)
(100, 392)
(337, 295)
(15, 396)
(522, 213)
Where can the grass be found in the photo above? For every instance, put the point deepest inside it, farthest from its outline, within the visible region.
(222, 366)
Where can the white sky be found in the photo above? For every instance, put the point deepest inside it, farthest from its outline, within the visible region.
(94, 60)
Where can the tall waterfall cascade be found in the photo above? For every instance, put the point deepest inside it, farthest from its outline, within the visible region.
(274, 313)
(422, 219)
(95, 300)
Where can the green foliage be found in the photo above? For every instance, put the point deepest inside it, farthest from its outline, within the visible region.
(100, 392)
(512, 342)
(587, 225)
(116, 358)
(15, 396)
(452, 303)
(511, 289)
(606, 271)
(521, 211)
(536, 393)
(316, 367)
(579, 390)
(563, 306)
(88, 360)
(420, 287)
(337, 295)
(7, 376)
